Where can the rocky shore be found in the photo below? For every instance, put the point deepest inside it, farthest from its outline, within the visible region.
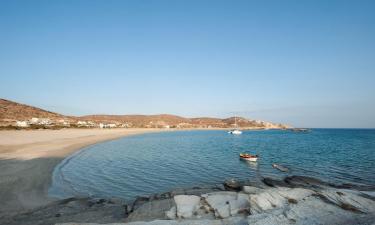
(294, 200)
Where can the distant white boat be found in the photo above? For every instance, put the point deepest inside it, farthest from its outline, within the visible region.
(236, 131)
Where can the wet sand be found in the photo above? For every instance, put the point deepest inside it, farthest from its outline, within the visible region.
(27, 160)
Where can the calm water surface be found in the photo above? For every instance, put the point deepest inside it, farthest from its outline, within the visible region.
(158, 162)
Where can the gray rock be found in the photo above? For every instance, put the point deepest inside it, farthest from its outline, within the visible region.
(151, 210)
(349, 200)
(277, 198)
(186, 205)
(172, 213)
(232, 185)
(251, 189)
(268, 219)
(227, 203)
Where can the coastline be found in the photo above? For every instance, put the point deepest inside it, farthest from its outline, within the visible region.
(28, 158)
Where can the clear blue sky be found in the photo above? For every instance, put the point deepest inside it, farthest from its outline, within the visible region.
(306, 63)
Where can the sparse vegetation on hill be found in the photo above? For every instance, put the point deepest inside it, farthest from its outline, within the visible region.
(16, 115)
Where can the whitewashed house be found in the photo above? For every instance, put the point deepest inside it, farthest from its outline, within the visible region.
(82, 123)
(91, 124)
(22, 124)
(34, 120)
(44, 121)
(111, 125)
(64, 123)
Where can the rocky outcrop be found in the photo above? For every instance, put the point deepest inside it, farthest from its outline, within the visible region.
(297, 200)
(186, 205)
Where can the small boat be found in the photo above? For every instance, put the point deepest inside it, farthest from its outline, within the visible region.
(248, 157)
(236, 131)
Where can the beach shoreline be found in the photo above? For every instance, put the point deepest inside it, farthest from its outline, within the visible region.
(28, 158)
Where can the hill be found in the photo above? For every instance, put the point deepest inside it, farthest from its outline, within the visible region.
(21, 115)
(16, 111)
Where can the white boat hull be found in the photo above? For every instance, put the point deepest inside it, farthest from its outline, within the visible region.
(236, 132)
(250, 159)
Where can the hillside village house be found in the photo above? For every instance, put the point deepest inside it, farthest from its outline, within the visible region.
(34, 120)
(44, 121)
(64, 123)
(125, 125)
(110, 125)
(22, 124)
(81, 123)
(40, 121)
(91, 124)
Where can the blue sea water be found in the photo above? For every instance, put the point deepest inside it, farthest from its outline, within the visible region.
(158, 162)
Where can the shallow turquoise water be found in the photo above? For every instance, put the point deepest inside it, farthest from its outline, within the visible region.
(158, 162)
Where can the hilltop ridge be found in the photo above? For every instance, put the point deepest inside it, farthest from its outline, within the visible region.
(13, 114)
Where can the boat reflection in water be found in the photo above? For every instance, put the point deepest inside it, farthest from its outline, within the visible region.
(252, 165)
(254, 168)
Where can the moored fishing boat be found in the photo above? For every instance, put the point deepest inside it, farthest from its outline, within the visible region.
(249, 157)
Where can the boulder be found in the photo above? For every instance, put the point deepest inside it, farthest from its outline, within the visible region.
(239, 205)
(295, 193)
(313, 210)
(268, 219)
(151, 210)
(251, 189)
(172, 213)
(232, 185)
(226, 204)
(266, 200)
(186, 205)
(349, 200)
(276, 198)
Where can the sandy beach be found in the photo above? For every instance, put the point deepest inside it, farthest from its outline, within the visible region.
(27, 160)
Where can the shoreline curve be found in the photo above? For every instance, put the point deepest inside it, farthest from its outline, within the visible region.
(28, 159)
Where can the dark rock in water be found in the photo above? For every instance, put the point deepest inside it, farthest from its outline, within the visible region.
(280, 167)
(310, 182)
(232, 185)
(306, 182)
(275, 183)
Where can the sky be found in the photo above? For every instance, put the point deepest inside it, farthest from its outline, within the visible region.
(304, 63)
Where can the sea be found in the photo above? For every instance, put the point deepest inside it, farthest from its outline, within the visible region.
(145, 164)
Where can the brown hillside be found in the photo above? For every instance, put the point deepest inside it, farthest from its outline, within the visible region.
(16, 111)
(12, 111)
(138, 120)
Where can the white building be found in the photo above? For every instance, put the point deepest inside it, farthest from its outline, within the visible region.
(111, 125)
(34, 120)
(22, 124)
(91, 124)
(44, 121)
(82, 123)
